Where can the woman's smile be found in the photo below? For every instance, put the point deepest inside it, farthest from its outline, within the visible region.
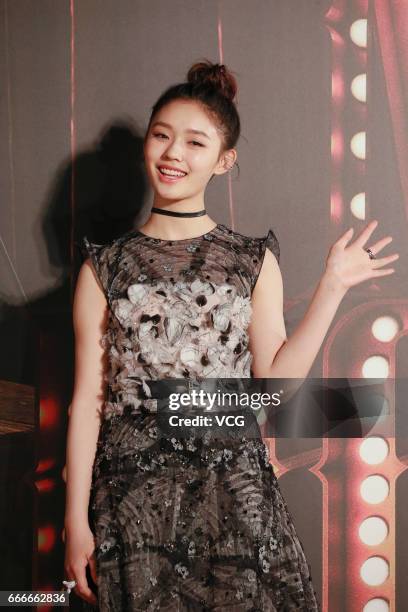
(169, 176)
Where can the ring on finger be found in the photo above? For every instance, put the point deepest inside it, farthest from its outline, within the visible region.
(370, 254)
(70, 584)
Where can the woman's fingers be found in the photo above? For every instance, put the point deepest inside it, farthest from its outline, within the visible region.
(352, 265)
(380, 244)
(365, 234)
(378, 263)
(92, 568)
(344, 238)
(382, 272)
(82, 587)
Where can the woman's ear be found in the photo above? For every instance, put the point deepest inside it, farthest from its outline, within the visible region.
(229, 160)
(226, 162)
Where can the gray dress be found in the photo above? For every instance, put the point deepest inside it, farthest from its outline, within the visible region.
(185, 524)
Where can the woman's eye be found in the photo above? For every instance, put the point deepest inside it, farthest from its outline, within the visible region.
(195, 142)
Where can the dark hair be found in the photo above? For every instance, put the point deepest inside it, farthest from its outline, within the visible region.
(214, 87)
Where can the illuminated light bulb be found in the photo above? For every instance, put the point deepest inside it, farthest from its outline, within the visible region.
(373, 531)
(336, 206)
(385, 328)
(45, 464)
(45, 485)
(377, 605)
(374, 489)
(337, 145)
(374, 450)
(374, 571)
(46, 538)
(358, 87)
(358, 145)
(376, 366)
(358, 32)
(358, 205)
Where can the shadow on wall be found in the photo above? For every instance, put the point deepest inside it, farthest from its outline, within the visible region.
(37, 359)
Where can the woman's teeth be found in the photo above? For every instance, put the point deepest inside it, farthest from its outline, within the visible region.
(172, 172)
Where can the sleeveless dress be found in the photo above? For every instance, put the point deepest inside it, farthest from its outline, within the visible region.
(181, 525)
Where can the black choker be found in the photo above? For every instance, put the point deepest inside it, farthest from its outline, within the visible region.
(172, 213)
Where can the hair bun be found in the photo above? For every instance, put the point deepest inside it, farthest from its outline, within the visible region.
(218, 76)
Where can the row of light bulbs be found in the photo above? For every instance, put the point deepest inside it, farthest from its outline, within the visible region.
(374, 489)
(373, 530)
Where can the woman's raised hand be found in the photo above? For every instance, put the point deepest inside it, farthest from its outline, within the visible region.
(350, 265)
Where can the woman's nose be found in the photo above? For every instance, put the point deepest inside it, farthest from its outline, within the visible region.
(174, 151)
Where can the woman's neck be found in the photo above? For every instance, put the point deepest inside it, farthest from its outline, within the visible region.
(176, 228)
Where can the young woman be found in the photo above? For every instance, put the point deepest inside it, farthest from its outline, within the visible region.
(179, 524)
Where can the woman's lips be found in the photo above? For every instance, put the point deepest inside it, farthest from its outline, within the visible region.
(166, 178)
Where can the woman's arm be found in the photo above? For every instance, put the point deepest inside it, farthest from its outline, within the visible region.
(275, 356)
(90, 320)
(90, 314)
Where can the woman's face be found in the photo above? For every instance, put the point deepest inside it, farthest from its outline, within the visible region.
(183, 137)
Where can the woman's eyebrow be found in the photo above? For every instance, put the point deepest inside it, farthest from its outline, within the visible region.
(190, 130)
